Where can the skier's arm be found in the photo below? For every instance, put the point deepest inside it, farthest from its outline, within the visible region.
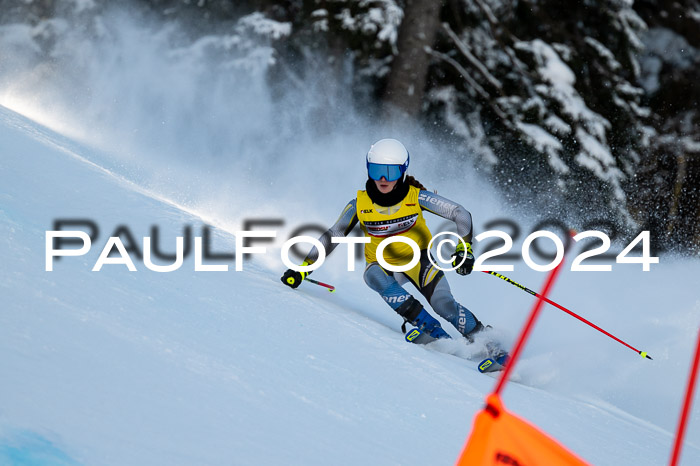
(449, 210)
(342, 227)
(463, 257)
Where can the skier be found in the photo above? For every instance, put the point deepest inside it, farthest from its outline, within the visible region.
(393, 204)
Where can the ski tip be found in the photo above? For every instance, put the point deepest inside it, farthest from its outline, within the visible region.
(489, 365)
(412, 335)
(485, 364)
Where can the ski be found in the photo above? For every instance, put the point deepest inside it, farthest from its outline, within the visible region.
(419, 337)
(412, 335)
(489, 365)
(494, 364)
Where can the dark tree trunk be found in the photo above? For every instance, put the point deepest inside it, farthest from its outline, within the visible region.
(409, 71)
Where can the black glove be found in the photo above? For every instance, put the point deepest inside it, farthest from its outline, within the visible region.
(463, 251)
(293, 278)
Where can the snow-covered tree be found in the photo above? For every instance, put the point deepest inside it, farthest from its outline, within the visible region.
(550, 88)
(585, 109)
(667, 195)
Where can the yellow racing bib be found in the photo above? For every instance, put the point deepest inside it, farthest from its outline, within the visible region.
(407, 221)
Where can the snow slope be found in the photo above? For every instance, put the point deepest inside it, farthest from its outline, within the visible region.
(117, 367)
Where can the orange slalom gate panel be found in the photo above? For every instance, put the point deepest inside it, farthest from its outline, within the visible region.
(499, 438)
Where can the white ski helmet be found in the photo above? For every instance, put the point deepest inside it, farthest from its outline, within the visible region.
(387, 158)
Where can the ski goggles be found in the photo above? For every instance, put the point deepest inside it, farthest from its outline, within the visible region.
(391, 172)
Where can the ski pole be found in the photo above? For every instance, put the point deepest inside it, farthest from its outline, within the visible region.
(558, 306)
(331, 288)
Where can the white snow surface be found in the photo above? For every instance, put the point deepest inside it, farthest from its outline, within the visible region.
(117, 367)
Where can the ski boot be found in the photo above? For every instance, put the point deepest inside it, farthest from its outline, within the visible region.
(426, 327)
(497, 360)
(497, 356)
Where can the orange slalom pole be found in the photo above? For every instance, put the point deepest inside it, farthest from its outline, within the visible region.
(526, 330)
(682, 422)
